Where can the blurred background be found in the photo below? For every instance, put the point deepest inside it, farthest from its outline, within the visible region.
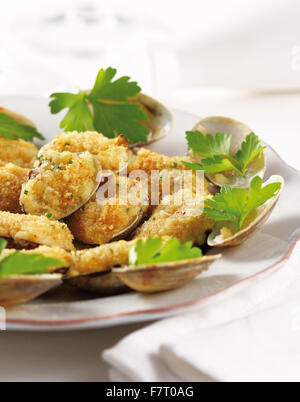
(235, 57)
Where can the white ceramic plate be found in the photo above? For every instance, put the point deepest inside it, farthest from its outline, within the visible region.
(262, 255)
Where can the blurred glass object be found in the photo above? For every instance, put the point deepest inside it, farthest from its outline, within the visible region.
(75, 43)
(22, 74)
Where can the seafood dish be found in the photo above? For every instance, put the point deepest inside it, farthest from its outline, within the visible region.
(102, 213)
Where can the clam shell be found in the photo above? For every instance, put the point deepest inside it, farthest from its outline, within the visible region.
(161, 119)
(104, 284)
(131, 228)
(72, 211)
(163, 277)
(23, 288)
(18, 117)
(264, 212)
(239, 132)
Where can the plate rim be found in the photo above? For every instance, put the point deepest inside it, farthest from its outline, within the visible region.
(86, 323)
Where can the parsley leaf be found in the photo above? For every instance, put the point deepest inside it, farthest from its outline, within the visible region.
(12, 130)
(3, 244)
(79, 117)
(106, 108)
(216, 152)
(213, 165)
(152, 252)
(250, 149)
(235, 204)
(209, 145)
(26, 264)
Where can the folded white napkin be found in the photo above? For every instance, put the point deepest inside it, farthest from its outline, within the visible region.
(208, 345)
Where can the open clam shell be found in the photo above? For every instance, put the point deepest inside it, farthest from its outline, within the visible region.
(260, 217)
(23, 288)
(104, 283)
(163, 277)
(239, 132)
(68, 209)
(161, 119)
(131, 228)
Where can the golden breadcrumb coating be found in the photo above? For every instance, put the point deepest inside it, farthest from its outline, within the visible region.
(178, 215)
(169, 181)
(148, 161)
(60, 183)
(113, 154)
(102, 220)
(18, 152)
(35, 229)
(11, 179)
(100, 259)
(51, 252)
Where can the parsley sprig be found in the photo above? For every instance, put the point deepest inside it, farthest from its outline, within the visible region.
(26, 264)
(215, 151)
(153, 251)
(106, 108)
(12, 130)
(236, 204)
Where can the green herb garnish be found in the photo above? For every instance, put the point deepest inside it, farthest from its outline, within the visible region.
(26, 264)
(12, 130)
(236, 204)
(112, 112)
(153, 251)
(215, 151)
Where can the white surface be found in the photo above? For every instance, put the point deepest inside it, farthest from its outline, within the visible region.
(213, 344)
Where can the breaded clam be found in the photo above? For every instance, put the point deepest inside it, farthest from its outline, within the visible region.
(113, 216)
(60, 184)
(100, 259)
(113, 154)
(11, 179)
(27, 231)
(179, 215)
(147, 160)
(17, 289)
(18, 152)
(91, 269)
